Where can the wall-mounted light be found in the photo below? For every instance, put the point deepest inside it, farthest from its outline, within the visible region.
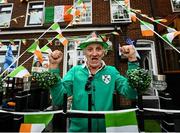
(159, 82)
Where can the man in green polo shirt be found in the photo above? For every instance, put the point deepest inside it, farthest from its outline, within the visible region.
(94, 77)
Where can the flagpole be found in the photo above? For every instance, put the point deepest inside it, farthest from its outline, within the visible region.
(152, 30)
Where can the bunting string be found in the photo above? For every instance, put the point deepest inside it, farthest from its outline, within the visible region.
(91, 112)
(36, 41)
(159, 36)
(145, 16)
(151, 30)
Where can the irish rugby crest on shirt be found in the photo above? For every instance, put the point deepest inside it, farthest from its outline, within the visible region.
(106, 78)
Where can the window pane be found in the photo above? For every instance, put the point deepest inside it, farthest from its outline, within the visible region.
(86, 15)
(118, 12)
(35, 13)
(175, 5)
(5, 15)
(35, 18)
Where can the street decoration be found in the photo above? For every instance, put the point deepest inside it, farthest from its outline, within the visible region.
(139, 79)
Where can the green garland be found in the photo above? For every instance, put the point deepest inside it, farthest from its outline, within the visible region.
(139, 79)
(45, 80)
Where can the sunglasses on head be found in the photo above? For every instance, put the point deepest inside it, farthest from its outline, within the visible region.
(88, 83)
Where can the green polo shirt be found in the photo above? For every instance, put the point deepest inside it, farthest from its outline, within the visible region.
(104, 83)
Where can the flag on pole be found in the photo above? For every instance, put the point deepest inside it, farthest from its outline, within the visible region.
(132, 42)
(58, 14)
(147, 29)
(34, 48)
(31, 128)
(19, 72)
(121, 122)
(46, 49)
(9, 58)
(56, 28)
(170, 36)
(129, 41)
(62, 39)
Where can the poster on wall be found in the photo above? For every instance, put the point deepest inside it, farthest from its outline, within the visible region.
(37, 66)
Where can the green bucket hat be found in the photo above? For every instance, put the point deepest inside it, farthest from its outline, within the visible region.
(93, 38)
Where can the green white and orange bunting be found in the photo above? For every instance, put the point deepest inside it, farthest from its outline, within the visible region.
(56, 28)
(160, 20)
(50, 41)
(62, 39)
(46, 49)
(121, 122)
(34, 48)
(24, 41)
(169, 29)
(19, 72)
(170, 36)
(147, 29)
(31, 128)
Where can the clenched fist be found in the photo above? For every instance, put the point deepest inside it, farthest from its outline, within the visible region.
(55, 59)
(129, 52)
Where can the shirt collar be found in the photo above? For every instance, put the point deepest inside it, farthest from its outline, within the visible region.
(103, 65)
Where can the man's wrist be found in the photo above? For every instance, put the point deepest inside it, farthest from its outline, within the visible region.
(134, 61)
(53, 66)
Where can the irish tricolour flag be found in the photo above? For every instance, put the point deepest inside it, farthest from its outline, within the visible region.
(170, 36)
(121, 122)
(46, 49)
(34, 48)
(31, 128)
(147, 29)
(35, 123)
(19, 72)
(58, 14)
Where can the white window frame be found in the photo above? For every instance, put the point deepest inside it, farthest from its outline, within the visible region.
(15, 48)
(152, 92)
(173, 6)
(115, 5)
(75, 50)
(8, 12)
(87, 14)
(154, 68)
(40, 8)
